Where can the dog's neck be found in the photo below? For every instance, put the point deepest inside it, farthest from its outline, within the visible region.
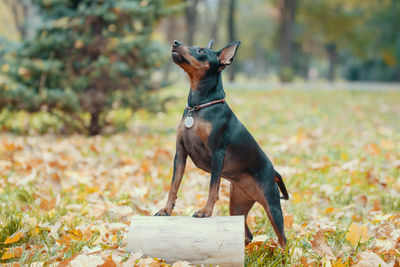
(208, 89)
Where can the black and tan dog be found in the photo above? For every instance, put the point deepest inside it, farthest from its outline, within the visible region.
(218, 143)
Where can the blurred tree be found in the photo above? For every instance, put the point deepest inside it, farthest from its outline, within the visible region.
(88, 56)
(286, 18)
(19, 10)
(383, 50)
(334, 26)
(191, 21)
(216, 20)
(232, 34)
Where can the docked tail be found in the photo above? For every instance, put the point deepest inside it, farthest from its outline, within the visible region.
(282, 187)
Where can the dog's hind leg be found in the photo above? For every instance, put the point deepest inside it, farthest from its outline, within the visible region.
(240, 204)
(272, 205)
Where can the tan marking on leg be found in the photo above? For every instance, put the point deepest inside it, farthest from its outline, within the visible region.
(213, 196)
(249, 185)
(240, 204)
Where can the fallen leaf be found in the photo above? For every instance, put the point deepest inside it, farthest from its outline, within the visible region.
(133, 258)
(357, 233)
(377, 205)
(12, 253)
(47, 204)
(320, 246)
(370, 259)
(15, 237)
(149, 262)
(361, 199)
(338, 263)
(76, 234)
(296, 198)
(109, 263)
(87, 260)
(373, 149)
(116, 227)
(329, 210)
(288, 220)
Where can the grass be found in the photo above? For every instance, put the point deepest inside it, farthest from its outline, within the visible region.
(337, 150)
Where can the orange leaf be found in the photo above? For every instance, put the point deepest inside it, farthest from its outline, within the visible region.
(338, 263)
(109, 263)
(377, 205)
(373, 149)
(145, 166)
(12, 253)
(46, 204)
(9, 147)
(320, 246)
(357, 233)
(15, 237)
(288, 219)
(329, 210)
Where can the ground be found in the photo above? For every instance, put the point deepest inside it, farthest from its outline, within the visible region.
(70, 199)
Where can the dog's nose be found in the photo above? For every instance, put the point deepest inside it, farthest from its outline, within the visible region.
(176, 43)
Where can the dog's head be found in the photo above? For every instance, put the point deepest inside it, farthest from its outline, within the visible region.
(199, 62)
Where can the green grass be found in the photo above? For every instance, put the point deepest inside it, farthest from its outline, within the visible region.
(338, 152)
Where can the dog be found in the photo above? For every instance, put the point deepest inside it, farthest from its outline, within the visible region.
(218, 143)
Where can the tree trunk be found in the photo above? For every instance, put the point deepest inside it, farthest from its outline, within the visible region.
(94, 128)
(287, 11)
(332, 56)
(96, 92)
(19, 11)
(170, 32)
(216, 21)
(232, 35)
(191, 21)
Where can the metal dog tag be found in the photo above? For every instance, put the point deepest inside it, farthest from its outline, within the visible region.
(189, 121)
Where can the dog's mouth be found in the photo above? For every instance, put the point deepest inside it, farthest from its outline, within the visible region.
(178, 58)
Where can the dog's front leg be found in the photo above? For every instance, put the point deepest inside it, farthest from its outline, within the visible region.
(179, 169)
(217, 162)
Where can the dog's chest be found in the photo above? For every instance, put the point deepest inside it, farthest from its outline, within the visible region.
(195, 140)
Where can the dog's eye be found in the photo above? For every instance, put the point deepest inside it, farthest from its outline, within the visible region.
(202, 51)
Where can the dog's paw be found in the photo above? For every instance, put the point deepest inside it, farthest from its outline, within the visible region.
(162, 212)
(247, 240)
(202, 214)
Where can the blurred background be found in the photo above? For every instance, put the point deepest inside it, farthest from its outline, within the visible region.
(77, 60)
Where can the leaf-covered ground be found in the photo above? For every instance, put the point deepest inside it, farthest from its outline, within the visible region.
(69, 199)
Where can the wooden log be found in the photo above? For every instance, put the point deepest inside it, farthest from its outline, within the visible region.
(212, 240)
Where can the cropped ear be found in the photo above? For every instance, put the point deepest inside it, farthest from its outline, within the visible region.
(226, 54)
(210, 44)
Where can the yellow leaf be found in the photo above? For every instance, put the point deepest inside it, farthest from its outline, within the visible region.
(91, 189)
(296, 198)
(76, 234)
(338, 263)
(357, 233)
(12, 253)
(15, 237)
